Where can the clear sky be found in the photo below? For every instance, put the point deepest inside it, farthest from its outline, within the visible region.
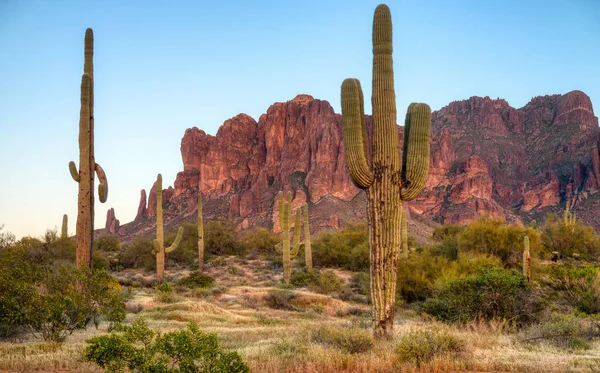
(164, 66)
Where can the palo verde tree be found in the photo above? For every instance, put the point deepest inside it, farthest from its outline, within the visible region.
(388, 180)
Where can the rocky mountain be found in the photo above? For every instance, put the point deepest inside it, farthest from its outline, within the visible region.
(486, 158)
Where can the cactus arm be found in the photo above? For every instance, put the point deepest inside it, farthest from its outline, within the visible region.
(404, 233)
(157, 248)
(415, 155)
(175, 243)
(355, 133)
(526, 259)
(73, 170)
(297, 224)
(279, 249)
(307, 245)
(295, 249)
(65, 228)
(103, 183)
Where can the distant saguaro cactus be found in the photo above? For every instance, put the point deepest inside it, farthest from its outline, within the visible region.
(200, 234)
(569, 218)
(159, 242)
(387, 180)
(64, 233)
(526, 259)
(307, 247)
(285, 248)
(87, 163)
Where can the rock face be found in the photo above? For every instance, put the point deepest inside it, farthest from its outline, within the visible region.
(486, 158)
(141, 211)
(112, 223)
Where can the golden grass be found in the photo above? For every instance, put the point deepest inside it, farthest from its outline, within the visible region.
(277, 341)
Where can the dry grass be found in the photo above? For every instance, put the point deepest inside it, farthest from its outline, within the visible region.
(276, 341)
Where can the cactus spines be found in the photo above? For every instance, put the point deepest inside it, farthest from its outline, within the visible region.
(404, 235)
(87, 164)
(200, 234)
(307, 247)
(387, 180)
(287, 249)
(65, 227)
(526, 259)
(159, 242)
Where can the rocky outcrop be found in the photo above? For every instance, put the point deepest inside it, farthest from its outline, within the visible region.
(112, 223)
(486, 158)
(141, 211)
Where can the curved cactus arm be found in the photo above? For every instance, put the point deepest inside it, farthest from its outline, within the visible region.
(297, 224)
(355, 133)
(103, 183)
(175, 243)
(415, 155)
(279, 249)
(295, 249)
(157, 248)
(74, 171)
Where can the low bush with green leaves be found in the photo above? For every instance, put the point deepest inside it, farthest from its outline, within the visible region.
(346, 248)
(280, 299)
(137, 348)
(421, 346)
(197, 279)
(350, 340)
(576, 285)
(565, 331)
(325, 282)
(490, 293)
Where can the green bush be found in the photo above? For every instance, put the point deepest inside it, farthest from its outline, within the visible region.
(261, 242)
(165, 293)
(347, 248)
(221, 238)
(197, 280)
(353, 341)
(280, 299)
(324, 282)
(107, 243)
(421, 346)
(568, 239)
(186, 253)
(565, 331)
(138, 254)
(577, 285)
(137, 348)
(490, 293)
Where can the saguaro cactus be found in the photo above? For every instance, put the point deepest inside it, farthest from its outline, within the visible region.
(526, 259)
(159, 242)
(307, 247)
(200, 234)
(287, 249)
(387, 180)
(87, 163)
(65, 228)
(404, 235)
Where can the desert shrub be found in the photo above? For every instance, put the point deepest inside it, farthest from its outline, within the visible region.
(325, 282)
(220, 238)
(165, 293)
(280, 299)
(351, 340)
(361, 283)
(347, 248)
(7, 239)
(261, 242)
(417, 275)
(137, 348)
(68, 299)
(138, 254)
(421, 346)
(490, 293)
(197, 280)
(493, 236)
(107, 243)
(565, 331)
(568, 239)
(289, 348)
(187, 251)
(577, 285)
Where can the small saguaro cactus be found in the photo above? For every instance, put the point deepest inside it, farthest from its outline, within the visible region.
(526, 259)
(159, 242)
(87, 163)
(307, 247)
(200, 234)
(404, 234)
(568, 218)
(65, 227)
(285, 248)
(388, 180)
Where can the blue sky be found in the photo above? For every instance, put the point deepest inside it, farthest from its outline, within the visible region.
(164, 66)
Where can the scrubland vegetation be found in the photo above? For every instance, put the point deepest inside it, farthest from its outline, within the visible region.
(463, 303)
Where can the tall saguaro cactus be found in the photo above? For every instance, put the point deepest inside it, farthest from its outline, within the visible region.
(87, 163)
(404, 235)
(387, 180)
(526, 259)
(200, 234)
(159, 242)
(307, 247)
(287, 249)
(64, 233)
